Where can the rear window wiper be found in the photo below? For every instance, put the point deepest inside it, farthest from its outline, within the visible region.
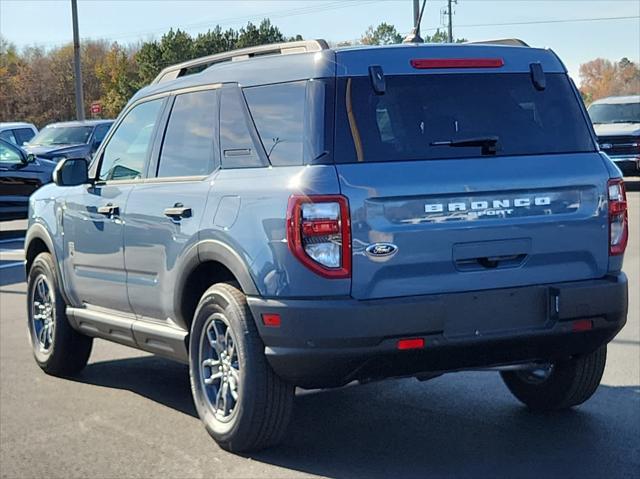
(488, 143)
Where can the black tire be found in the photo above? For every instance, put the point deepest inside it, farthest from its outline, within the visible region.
(64, 352)
(569, 383)
(259, 417)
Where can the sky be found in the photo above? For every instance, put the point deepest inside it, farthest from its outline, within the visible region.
(578, 30)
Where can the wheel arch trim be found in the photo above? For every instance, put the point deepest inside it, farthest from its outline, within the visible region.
(211, 250)
(37, 231)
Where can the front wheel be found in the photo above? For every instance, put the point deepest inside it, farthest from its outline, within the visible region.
(242, 403)
(558, 385)
(58, 349)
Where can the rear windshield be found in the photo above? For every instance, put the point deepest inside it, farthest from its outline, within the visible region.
(440, 116)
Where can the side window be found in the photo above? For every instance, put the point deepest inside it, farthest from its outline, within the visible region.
(190, 138)
(23, 135)
(99, 134)
(279, 114)
(237, 146)
(9, 155)
(7, 135)
(126, 153)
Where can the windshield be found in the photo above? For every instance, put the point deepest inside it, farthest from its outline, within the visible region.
(615, 113)
(62, 135)
(438, 116)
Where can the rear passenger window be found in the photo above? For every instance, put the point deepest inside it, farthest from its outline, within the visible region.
(23, 135)
(278, 112)
(189, 141)
(236, 144)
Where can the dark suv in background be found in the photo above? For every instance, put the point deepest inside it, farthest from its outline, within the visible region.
(616, 121)
(72, 139)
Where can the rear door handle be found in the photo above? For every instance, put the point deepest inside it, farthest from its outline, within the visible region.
(109, 210)
(178, 211)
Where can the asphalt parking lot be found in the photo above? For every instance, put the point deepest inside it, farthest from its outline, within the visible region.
(130, 414)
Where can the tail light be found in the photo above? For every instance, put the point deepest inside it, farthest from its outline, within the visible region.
(319, 234)
(618, 220)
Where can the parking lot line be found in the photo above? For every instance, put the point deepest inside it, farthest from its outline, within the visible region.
(12, 240)
(12, 265)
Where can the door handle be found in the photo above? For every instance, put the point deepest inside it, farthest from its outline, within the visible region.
(109, 210)
(178, 211)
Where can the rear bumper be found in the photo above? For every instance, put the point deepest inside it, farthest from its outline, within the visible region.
(324, 343)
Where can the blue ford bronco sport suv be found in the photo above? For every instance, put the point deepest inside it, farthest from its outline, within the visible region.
(295, 215)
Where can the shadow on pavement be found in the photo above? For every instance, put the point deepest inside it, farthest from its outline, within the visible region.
(460, 425)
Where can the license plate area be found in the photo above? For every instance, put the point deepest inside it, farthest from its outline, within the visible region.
(485, 312)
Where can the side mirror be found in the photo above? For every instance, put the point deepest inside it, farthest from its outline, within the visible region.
(31, 158)
(71, 172)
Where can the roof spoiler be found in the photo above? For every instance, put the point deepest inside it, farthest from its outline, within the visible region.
(194, 66)
(514, 42)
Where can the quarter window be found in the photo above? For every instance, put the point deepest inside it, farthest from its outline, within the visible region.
(126, 154)
(238, 148)
(189, 141)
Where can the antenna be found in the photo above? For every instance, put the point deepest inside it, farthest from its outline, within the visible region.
(414, 36)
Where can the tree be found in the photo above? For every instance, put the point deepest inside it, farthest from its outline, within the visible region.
(440, 36)
(37, 85)
(118, 74)
(383, 34)
(178, 46)
(601, 78)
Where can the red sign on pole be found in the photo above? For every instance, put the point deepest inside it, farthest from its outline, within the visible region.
(96, 108)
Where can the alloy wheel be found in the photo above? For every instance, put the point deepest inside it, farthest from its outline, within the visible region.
(43, 313)
(219, 367)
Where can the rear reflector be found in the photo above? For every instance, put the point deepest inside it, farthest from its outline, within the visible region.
(411, 343)
(271, 320)
(582, 325)
(427, 63)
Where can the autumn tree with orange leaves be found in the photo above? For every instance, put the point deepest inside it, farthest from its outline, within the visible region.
(601, 78)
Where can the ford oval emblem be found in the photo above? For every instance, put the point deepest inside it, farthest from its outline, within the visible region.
(381, 250)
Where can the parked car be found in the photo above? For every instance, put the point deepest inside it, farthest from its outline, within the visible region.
(71, 139)
(17, 133)
(616, 120)
(295, 215)
(20, 176)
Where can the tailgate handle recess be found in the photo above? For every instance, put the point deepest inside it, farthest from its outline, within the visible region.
(491, 262)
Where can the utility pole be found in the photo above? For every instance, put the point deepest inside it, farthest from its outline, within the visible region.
(450, 13)
(416, 16)
(414, 36)
(76, 62)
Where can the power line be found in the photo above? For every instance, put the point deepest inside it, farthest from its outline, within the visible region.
(241, 19)
(539, 22)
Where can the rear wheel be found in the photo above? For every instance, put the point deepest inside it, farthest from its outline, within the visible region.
(241, 401)
(58, 349)
(558, 385)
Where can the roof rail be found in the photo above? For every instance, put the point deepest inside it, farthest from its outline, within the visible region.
(516, 42)
(194, 66)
